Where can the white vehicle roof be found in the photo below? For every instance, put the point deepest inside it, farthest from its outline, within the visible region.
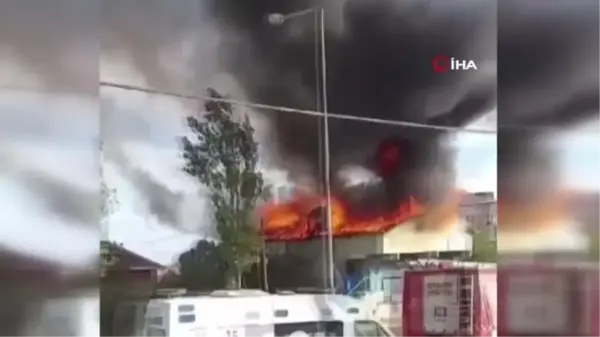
(256, 307)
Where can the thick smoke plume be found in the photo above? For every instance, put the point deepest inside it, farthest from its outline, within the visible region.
(379, 65)
(175, 206)
(50, 46)
(67, 201)
(547, 77)
(161, 201)
(119, 126)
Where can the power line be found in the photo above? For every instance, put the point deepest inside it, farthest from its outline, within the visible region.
(300, 111)
(539, 129)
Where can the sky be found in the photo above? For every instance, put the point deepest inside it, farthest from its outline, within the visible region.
(54, 136)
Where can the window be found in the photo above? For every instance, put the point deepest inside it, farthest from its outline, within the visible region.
(440, 312)
(156, 320)
(369, 329)
(392, 289)
(187, 318)
(156, 332)
(321, 328)
(186, 308)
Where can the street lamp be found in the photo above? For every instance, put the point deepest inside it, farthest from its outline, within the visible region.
(278, 19)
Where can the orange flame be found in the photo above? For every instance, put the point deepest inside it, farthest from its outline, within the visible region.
(293, 221)
(532, 215)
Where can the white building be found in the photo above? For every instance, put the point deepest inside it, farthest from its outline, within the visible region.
(480, 212)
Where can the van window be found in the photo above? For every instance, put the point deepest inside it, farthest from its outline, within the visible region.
(187, 318)
(320, 328)
(186, 308)
(369, 329)
(156, 320)
(156, 332)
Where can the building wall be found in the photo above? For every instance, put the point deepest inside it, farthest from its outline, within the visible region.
(405, 239)
(402, 239)
(480, 212)
(282, 192)
(343, 249)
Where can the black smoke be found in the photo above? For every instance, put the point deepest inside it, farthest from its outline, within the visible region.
(56, 45)
(379, 57)
(547, 81)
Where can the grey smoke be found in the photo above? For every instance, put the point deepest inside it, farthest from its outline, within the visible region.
(68, 202)
(547, 76)
(161, 201)
(175, 208)
(61, 198)
(56, 43)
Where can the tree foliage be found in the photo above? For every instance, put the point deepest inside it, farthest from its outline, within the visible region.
(202, 267)
(224, 158)
(484, 248)
(594, 247)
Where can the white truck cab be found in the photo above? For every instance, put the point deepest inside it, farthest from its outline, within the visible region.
(252, 313)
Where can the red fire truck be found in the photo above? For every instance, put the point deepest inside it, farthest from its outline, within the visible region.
(548, 299)
(457, 301)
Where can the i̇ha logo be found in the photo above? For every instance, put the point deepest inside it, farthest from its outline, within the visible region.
(443, 63)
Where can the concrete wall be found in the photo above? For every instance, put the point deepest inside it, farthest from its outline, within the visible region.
(343, 249)
(405, 239)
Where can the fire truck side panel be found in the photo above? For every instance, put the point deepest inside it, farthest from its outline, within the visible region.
(440, 302)
(548, 301)
(412, 305)
(485, 303)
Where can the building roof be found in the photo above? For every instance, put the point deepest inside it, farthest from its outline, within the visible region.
(296, 220)
(130, 260)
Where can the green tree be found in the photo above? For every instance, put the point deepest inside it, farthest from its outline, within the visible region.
(202, 267)
(484, 247)
(594, 247)
(224, 158)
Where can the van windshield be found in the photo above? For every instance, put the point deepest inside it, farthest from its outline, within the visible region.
(369, 329)
(313, 329)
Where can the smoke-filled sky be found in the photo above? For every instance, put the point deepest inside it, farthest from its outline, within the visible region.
(378, 65)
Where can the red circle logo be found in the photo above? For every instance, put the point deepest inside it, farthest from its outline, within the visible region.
(441, 64)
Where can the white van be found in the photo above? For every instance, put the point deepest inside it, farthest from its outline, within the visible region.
(250, 313)
(75, 314)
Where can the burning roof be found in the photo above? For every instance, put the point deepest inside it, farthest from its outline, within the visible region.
(304, 217)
